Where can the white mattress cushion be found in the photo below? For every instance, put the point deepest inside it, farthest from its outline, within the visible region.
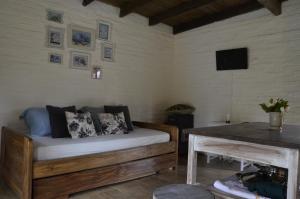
(46, 148)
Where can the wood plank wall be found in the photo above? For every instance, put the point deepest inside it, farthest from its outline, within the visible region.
(145, 61)
(274, 66)
(136, 78)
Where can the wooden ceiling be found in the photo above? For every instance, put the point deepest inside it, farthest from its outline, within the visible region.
(185, 15)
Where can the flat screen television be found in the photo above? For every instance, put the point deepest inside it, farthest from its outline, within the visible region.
(232, 59)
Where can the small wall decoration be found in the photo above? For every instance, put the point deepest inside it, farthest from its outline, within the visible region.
(55, 58)
(107, 52)
(104, 30)
(81, 37)
(55, 16)
(55, 37)
(96, 72)
(80, 60)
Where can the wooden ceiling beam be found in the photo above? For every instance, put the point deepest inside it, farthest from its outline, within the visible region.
(129, 7)
(228, 13)
(177, 10)
(87, 2)
(274, 6)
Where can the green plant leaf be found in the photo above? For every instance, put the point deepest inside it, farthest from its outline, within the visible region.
(265, 107)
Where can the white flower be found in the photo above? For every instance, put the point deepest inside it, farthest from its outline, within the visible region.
(287, 109)
(282, 109)
(270, 104)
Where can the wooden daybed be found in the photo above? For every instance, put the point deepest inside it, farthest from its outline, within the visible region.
(58, 178)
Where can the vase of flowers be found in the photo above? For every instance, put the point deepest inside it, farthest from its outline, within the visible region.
(276, 109)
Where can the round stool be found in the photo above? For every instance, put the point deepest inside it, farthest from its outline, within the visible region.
(182, 191)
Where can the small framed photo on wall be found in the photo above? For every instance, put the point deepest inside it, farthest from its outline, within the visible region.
(55, 37)
(55, 58)
(108, 52)
(104, 30)
(80, 60)
(55, 16)
(81, 37)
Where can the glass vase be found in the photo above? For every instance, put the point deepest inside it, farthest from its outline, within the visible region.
(275, 120)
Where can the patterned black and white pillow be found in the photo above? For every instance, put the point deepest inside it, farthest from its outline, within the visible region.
(80, 125)
(113, 123)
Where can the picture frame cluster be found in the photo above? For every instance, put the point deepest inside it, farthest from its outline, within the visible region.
(81, 40)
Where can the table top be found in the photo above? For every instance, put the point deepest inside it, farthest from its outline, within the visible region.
(255, 132)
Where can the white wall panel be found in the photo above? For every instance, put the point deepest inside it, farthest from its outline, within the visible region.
(136, 78)
(274, 66)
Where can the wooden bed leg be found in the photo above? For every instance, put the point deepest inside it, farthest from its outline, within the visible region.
(16, 162)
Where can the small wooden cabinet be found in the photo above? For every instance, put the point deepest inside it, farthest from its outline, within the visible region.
(181, 121)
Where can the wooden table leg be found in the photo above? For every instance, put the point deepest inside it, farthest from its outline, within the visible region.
(192, 162)
(293, 171)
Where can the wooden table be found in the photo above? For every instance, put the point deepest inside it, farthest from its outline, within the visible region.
(250, 141)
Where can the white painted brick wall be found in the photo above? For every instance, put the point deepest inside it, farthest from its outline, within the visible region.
(274, 66)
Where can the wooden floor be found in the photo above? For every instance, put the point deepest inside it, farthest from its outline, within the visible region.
(143, 188)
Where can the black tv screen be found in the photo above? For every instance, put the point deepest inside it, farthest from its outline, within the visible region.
(232, 59)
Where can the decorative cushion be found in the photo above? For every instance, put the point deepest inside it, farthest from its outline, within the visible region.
(58, 120)
(94, 113)
(37, 120)
(80, 125)
(119, 109)
(113, 123)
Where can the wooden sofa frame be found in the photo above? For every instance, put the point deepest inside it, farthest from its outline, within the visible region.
(58, 178)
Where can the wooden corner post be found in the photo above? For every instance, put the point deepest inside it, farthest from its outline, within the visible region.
(192, 162)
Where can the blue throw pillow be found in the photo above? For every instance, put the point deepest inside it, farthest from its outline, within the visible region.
(37, 120)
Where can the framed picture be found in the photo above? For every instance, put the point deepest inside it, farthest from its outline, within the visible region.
(108, 52)
(55, 37)
(81, 38)
(80, 60)
(55, 16)
(104, 30)
(55, 58)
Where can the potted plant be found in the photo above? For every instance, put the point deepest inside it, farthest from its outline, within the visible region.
(276, 109)
(180, 109)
